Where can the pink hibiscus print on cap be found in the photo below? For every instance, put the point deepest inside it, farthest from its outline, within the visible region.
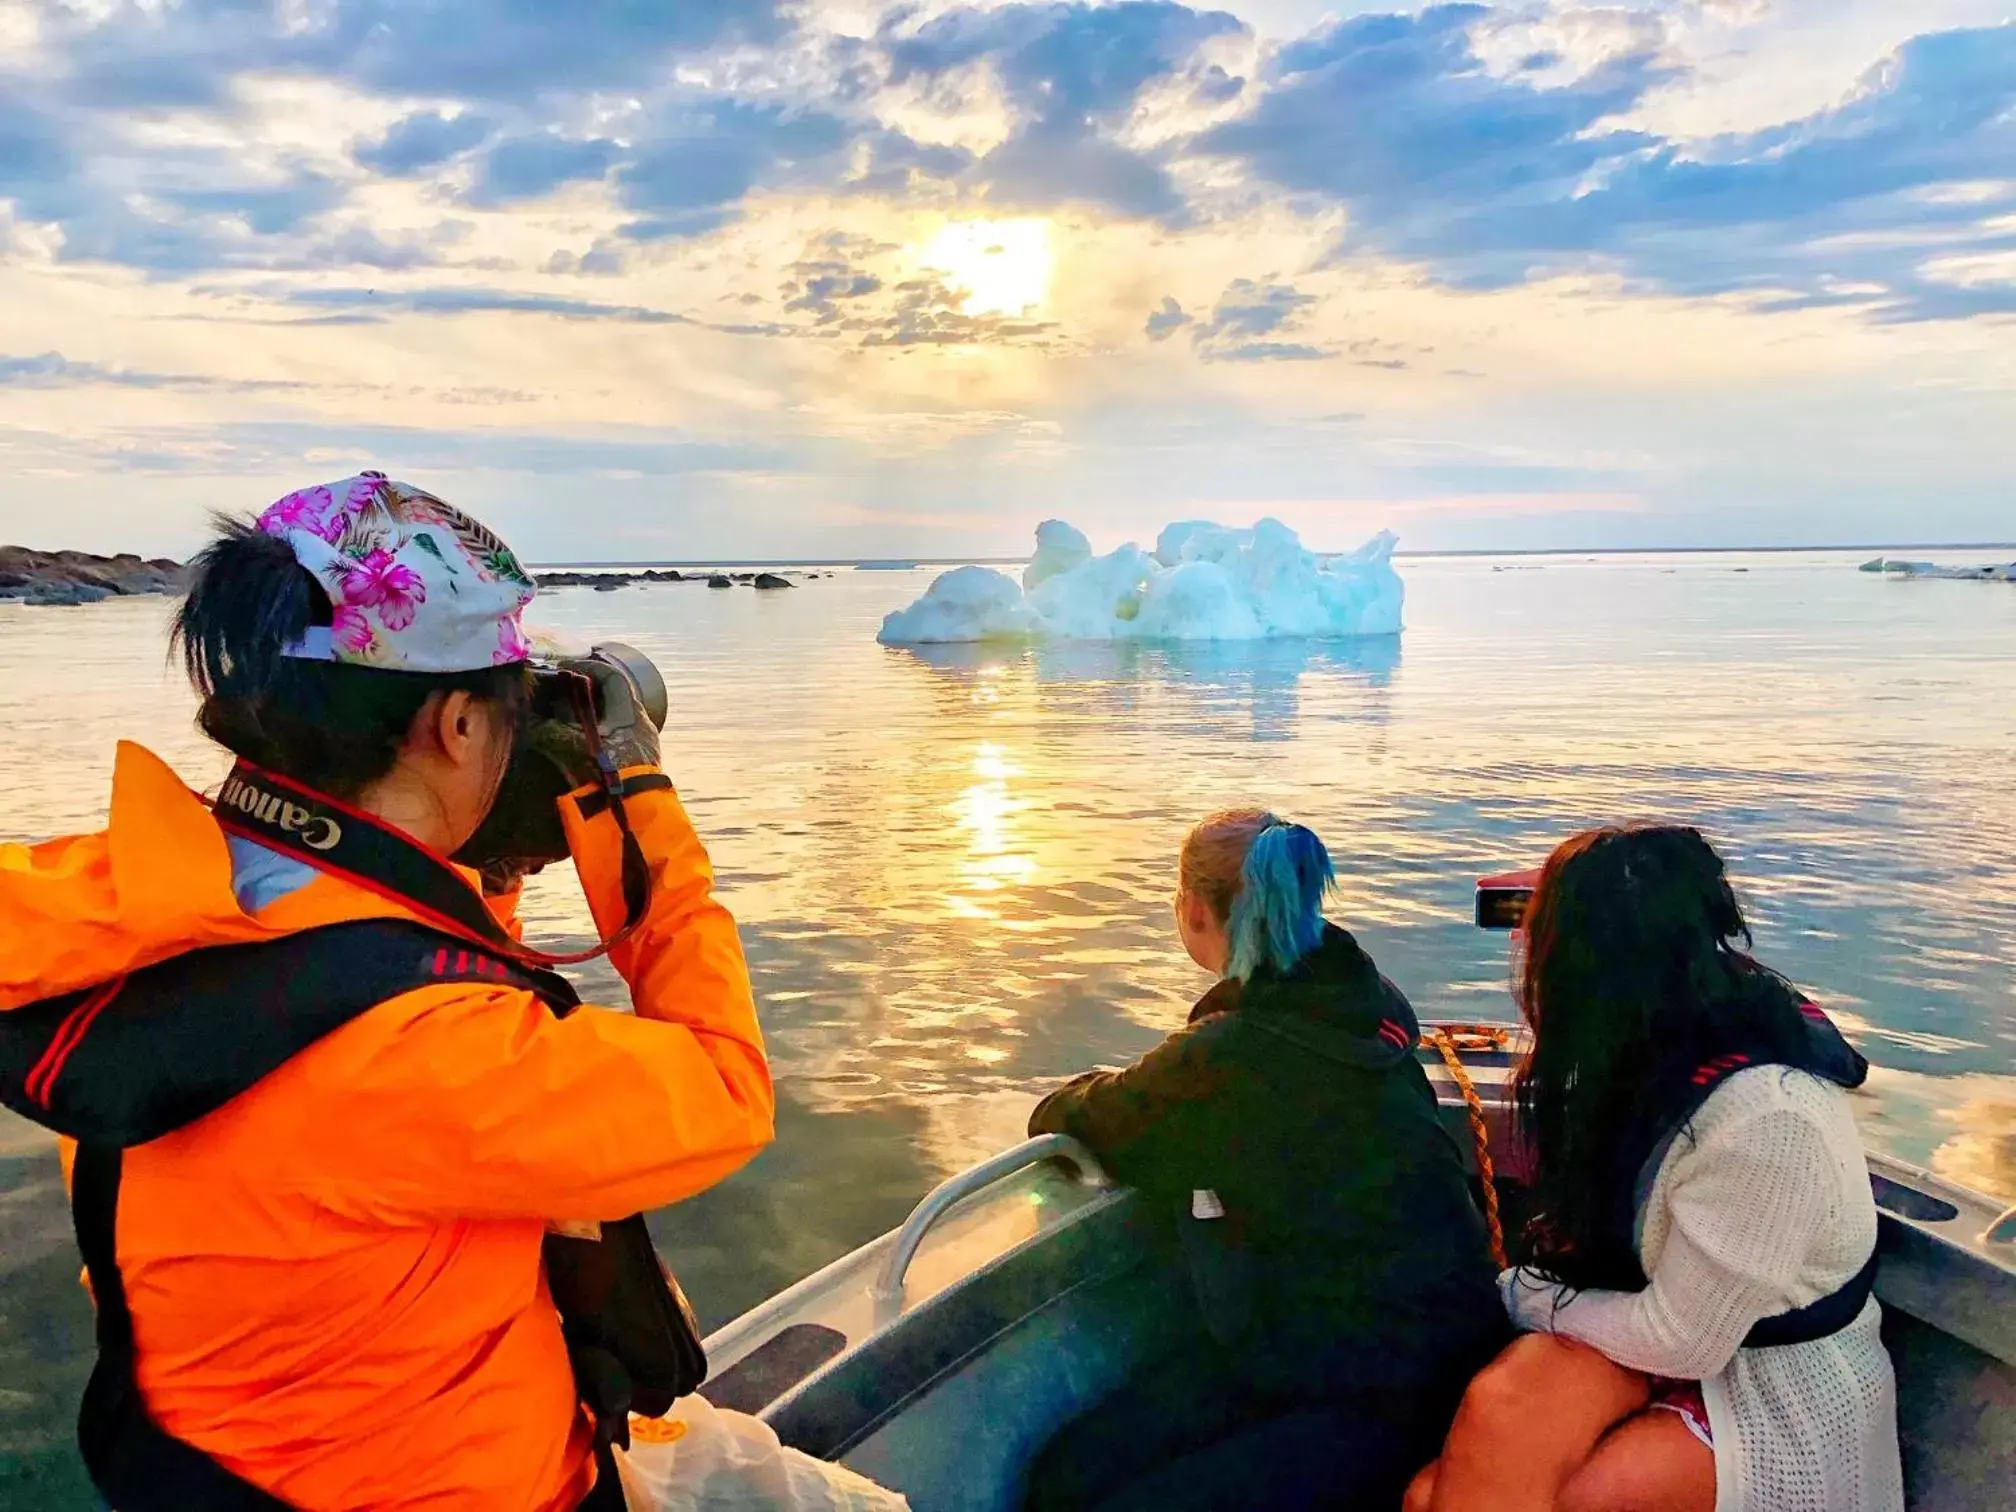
(512, 645)
(351, 630)
(305, 509)
(391, 587)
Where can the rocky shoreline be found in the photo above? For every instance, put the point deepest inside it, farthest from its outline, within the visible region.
(80, 577)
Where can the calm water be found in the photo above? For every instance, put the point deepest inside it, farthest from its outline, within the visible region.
(953, 870)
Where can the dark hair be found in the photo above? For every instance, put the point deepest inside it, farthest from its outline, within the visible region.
(1631, 977)
(333, 726)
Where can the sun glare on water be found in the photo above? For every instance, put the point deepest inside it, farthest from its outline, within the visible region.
(1002, 267)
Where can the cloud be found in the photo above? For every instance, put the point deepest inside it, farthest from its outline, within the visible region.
(265, 209)
(818, 287)
(1479, 142)
(269, 448)
(528, 167)
(1397, 116)
(37, 162)
(1267, 351)
(363, 246)
(124, 195)
(52, 370)
(523, 49)
(374, 305)
(1166, 320)
(1492, 173)
(426, 139)
(1070, 72)
(700, 161)
(514, 51)
(1248, 317)
(927, 313)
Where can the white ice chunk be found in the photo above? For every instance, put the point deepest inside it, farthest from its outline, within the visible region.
(1204, 582)
(965, 604)
(1089, 600)
(1196, 601)
(1169, 544)
(1059, 548)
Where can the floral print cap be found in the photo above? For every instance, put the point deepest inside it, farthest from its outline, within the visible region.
(417, 585)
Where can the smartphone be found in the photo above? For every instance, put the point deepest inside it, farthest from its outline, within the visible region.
(1501, 901)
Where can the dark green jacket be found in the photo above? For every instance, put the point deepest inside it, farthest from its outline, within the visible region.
(1298, 1101)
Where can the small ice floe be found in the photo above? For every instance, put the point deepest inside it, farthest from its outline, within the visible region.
(2002, 572)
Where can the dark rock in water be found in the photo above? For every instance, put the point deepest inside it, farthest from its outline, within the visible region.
(604, 582)
(61, 593)
(771, 580)
(720, 580)
(79, 577)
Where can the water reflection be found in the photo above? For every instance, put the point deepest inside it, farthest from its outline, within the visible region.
(1249, 688)
(987, 812)
(1961, 1127)
(953, 865)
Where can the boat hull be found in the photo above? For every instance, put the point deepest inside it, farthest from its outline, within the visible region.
(1034, 1292)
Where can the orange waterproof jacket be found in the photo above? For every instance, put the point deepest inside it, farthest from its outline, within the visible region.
(335, 1279)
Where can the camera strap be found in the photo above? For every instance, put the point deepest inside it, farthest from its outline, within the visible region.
(346, 842)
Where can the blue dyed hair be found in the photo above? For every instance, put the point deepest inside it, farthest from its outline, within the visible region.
(1277, 914)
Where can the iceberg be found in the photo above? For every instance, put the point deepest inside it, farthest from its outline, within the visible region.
(1202, 582)
(2000, 572)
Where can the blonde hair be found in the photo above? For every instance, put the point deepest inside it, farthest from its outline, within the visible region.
(1214, 854)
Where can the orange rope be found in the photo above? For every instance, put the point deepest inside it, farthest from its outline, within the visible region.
(1480, 1136)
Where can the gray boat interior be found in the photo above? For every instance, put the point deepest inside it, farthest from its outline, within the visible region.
(949, 1398)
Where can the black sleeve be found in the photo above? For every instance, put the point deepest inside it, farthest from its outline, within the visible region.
(1148, 1123)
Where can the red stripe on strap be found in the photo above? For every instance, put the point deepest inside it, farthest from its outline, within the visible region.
(67, 1038)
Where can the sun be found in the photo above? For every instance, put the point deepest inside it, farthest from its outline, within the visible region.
(1002, 267)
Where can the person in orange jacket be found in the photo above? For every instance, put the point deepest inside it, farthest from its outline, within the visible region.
(335, 1279)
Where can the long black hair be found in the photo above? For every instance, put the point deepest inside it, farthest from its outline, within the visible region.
(332, 726)
(1635, 972)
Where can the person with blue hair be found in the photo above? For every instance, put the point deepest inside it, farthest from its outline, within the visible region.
(1320, 1215)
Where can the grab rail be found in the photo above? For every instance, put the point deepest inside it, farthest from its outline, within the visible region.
(947, 1194)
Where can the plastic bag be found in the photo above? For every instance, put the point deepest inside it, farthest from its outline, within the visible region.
(703, 1458)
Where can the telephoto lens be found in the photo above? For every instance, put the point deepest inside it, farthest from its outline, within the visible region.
(523, 825)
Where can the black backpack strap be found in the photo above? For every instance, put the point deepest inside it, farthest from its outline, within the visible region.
(607, 1495)
(134, 1464)
(138, 1057)
(1821, 1319)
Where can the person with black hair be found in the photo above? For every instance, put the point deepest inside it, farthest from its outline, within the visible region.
(1697, 1277)
(329, 1282)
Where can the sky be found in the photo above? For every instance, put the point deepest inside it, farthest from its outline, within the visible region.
(831, 278)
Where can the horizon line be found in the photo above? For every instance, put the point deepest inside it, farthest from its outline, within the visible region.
(1454, 551)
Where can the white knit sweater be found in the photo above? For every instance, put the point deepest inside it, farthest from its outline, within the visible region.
(1764, 1207)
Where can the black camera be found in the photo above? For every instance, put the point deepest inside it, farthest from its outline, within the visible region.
(553, 757)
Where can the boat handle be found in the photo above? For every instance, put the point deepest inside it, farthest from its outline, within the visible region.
(2002, 1230)
(947, 1194)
